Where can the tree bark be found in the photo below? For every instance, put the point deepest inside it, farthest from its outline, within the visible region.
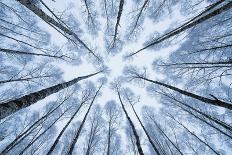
(215, 102)
(21, 153)
(118, 21)
(63, 130)
(140, 150)
(71, 148)
(40, 13)
(10, 51)
(23, 135)
(193, 22)
(195, 136)
(147, 134)
(10, 107)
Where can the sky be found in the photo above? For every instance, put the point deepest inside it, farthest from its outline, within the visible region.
(116, 62)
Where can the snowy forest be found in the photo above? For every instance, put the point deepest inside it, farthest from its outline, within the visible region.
(115, 77)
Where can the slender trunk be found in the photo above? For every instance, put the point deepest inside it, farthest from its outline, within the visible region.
(23, 135)
(215, 101)
(118, 21)
(10, 51)
(164, 134)
(139, 15)
(201, 63)
(10, 107)
(203, 120)
(23, 79)
(42, 133)
(108, 138)
(193, 22)
(211, 118)
(64, 129)
(40, 13)
(71, 148)
(195, 135)
(144, 129)
(140, 150)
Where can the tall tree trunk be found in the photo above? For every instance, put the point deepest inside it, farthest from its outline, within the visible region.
(24, 79)
(34, 140)
(109, 138)
(71, 148)
(40, 13)
(10, 107)
(24, 134)
(164, 134)
(193, 22)
(65, 127)
(211, 118)
(144, 129)
(195, 135)
(139, 15)
(140, 150)
(121, 4)
(215, 102)
(204, 120)
(10, 51)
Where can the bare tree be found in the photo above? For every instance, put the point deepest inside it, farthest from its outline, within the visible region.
(113, 115)
(77, 134)
(10, 107)
(133, 74)
(140, 150)
(191, 23)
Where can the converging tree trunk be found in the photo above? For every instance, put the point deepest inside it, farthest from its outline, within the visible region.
(144, 129)
(64, 128)
(193, 22)
(40, 13)
(10, 107)
(24, 134)
(41, 134)
(71, 148)
(140, 150)
(215, 101)
(192, 133)
(118, 21)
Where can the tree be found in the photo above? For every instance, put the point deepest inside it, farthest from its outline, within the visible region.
(85, 97)
(131, 124)
(10, 107)
(193, 22)
(133, 74)
(113, 115)
(77, 134)
(131, 99)
(52, 22)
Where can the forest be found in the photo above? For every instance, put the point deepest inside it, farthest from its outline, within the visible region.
(115, 77)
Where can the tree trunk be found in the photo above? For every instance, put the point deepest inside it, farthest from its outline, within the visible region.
(29, 53)
(24, 79)
(108, 138)
(118, 21)
(164, 134)
(195, 135)
(144, 129)
(23, 135)
(40, 13)
(211, 118)
(65, 127)
(71, 148)
(193, 22)
(140, 150)
(21, 153)
(10, 107)
(215, 102)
